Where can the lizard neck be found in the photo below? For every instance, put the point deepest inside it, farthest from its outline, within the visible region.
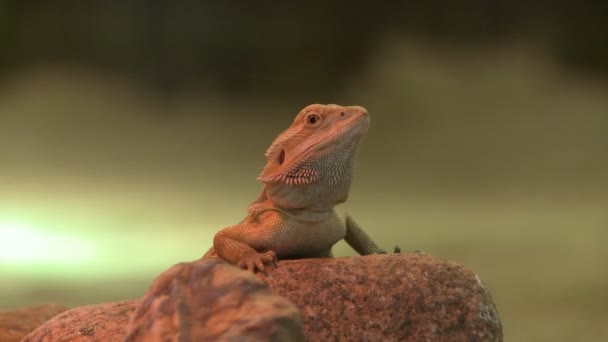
(331, 188)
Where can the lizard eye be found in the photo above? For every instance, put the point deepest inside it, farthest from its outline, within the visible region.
(312, 119)
(281, 157)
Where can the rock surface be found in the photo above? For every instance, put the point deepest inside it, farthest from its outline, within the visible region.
(213, 301)
(388, 297)
(15, 324)
(395, 297)
(92, 323)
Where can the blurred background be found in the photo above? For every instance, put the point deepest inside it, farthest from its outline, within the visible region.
(130, 132)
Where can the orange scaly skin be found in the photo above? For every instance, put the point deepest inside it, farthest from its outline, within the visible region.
(309, 171)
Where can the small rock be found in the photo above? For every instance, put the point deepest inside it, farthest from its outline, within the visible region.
(210, 300)
(15, 324)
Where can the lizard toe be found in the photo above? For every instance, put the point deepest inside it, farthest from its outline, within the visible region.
(258, 261)
(260, 265)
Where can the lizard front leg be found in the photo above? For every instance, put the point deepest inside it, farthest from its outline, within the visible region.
(234, 244)
(240, 253)
(359, 240)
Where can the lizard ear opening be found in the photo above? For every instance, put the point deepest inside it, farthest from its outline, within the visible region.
(281, 157)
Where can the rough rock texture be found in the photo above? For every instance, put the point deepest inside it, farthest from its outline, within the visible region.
(92, 323)
(388, 297)
(212, 301)
(15, 324)
(394, 297)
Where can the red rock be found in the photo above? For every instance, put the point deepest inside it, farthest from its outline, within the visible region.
(395, 297)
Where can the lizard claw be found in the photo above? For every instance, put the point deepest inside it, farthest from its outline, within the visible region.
(256, 261)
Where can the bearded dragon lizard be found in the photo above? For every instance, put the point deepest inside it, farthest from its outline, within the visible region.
(309, 171)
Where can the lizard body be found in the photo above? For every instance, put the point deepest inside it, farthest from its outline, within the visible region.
(309, 171)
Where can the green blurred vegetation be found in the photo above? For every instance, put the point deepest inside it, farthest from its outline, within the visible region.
(130, 133)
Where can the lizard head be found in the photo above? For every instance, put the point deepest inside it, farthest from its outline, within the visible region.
(317, 131)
